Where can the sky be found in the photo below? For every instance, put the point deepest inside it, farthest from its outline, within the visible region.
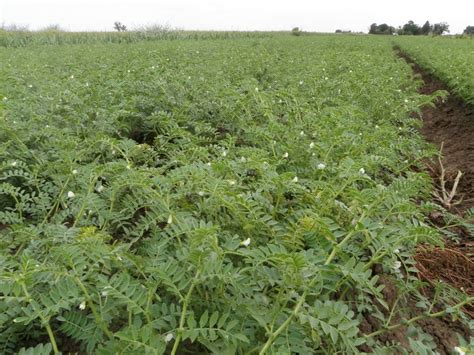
(264, 15)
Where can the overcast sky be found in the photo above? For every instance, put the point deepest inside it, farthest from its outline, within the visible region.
(310, 15)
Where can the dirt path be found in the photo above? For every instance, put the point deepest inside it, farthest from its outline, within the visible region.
(451, 124)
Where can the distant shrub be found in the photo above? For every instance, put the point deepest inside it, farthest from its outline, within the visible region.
(52, 28)
(469, 30)
(296, 31)
(119, 27)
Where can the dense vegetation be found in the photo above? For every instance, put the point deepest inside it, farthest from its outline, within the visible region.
(410, 29)
(449, 59)
(224, 196)
(52, 36)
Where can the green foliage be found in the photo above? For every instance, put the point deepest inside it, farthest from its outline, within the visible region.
(21, 37)
(382, 29)
(295, 31)
(209, 197)
(449, 59)
(469, 30)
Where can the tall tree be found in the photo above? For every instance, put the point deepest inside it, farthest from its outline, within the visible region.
(373, 29)
(426, 28)
(411, 28)
(469, 30)
(440, 28)
(118, 26)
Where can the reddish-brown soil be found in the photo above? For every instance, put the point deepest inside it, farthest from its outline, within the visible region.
(450, 125)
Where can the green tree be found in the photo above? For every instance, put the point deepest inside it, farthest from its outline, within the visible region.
(382, 29)
(296, 31)
(119, 26)
(426, 28)
(440, 28)
(411, 28)
(469, 30)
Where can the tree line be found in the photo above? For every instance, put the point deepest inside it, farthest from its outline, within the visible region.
(413, 29)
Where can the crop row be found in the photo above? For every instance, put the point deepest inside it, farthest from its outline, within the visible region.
(15, 39)
(449, 59)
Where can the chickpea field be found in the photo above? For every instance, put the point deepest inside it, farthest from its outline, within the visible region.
(215, 196)
(451, 61)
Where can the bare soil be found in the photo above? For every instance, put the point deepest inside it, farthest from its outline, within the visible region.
(450, 125)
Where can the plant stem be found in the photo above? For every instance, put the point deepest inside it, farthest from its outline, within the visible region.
(417, 318)
(286, 323)
(94, 312)
(52, 339)
(183, 314)
(302, 299)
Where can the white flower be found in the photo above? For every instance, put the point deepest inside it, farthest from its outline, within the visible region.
(321, 166)
(377, 126)
(170, 219)
(74, 172)
(169, 337)
(311, 145)
(301, 82)
(231, 182)
(128, 71)
(397, 265)
(5, 98)
(302, 133)
(396, 251)
(104, 293)
(30, 86)
(362, 171)
(280, 101)
(82, 306)
(406, 101)
(459, 350)
(201, 193)
(295, 179)
(14, 163)
(326, 78)
(243, 160)
(72, 76)
(128, 166)
(285, 155)
(113, 152)
(99, 188)
(224, 153)
(71, 194)
(245, 243)
(256, 89)
(87, 84)
(208, 164)
(47, 126)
